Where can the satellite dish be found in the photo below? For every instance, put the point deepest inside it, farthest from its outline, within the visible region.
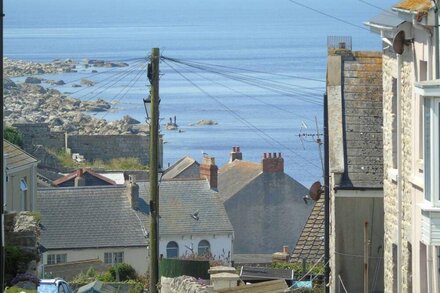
(399, 42)
(315, 191)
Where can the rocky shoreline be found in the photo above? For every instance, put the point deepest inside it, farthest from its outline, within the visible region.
(30, 102)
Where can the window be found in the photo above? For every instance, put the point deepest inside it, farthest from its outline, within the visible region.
(112, 258)
(56, 258)
(204, 248)
(172, 249)
(23, 191)
(431, 149)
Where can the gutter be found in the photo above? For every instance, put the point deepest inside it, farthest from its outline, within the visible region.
(336, 188)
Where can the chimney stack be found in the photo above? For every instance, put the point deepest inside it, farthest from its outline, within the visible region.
(79, 179)
(209, 170)
(273, 164)
(133, 191)
(235, 154)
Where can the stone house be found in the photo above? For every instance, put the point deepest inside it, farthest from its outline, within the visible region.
(264, 204)
(111, 223)
(354, 95)
(186, 167)
(21, 178)
(410, 145)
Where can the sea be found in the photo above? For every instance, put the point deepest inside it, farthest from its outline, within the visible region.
(255, 67)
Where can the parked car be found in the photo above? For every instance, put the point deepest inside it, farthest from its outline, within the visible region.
(54, 286)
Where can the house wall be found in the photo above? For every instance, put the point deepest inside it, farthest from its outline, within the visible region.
(267, 214)
(221, 244)
(348, 244)
(412, 265)
(13, 192)
(137, 257)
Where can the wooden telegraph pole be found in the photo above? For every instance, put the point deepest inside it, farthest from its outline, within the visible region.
(153, 75)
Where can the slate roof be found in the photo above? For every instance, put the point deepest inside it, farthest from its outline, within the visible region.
(179, 199)
(178, 169)
(16, 157)
(387, 19)
(86, 217)
(234, 176)
(422, 6)
(362, 120)
(89, 217)
(310, 245)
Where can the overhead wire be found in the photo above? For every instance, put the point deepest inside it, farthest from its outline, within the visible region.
(268, 138)
(377, 7)
(328, 15)
(312, 98)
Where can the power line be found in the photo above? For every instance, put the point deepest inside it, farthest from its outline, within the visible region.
(377, 7)
(328, 15)
(266, 137)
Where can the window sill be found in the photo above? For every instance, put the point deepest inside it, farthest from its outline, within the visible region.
(392, 175)
(417, 181)
(428, 207)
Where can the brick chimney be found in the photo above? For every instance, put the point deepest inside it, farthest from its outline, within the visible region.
(235, 154)
(132, 191)
(79, 179)
(273, 163)
(209, 170)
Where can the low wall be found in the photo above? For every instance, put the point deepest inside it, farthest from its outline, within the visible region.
(182, 284)
(92, 147)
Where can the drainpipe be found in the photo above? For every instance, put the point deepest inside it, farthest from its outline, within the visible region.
(437, 41)
(399, 176)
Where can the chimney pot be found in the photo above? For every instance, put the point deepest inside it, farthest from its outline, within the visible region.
(273, 164)
(270, 155)
(235, 154)
(279, 155)
(238, 149)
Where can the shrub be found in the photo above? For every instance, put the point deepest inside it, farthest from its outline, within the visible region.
(126, 272)
(13, 136)
(16, 258)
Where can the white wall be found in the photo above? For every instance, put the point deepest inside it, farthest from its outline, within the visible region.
(137, 257)
(221, 244)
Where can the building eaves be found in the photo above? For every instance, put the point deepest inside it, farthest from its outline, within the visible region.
(16, 157)
(387, 20)
(414, 6)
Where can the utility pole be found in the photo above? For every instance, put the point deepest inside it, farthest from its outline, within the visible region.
(2, 187)
(366, 249)
(153, 75)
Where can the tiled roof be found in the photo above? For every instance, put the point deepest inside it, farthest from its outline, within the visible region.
(362, 120)
(310, 245)
(16, 157)
(86, 217)
(180, 199)
(180, 167)
(234, 176)
(414, 5)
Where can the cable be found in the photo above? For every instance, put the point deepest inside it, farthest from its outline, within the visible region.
(377, 7)
(267, 137)
(269, 87)
(328, 15)
(253, 98)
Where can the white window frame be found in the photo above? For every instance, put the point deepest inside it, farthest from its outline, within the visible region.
(57, 258)
(432, 162)
(115, 257)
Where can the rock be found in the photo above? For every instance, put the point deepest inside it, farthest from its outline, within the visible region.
(88, 82)
(205, 122)
(129, 120)
(8, 83)
(33, 80)
(76, 85)
(55, 82)
(94, 71)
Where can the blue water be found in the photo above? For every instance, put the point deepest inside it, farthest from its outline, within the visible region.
(276, 37)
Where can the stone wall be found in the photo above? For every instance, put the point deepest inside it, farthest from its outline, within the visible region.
(92, 147)
(390, 185)
(182, 284)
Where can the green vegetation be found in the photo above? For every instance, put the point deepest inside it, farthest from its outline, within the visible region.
(318, 269)
(15, 258)
(13, 136)
(127, 275)
(15, 289)
(116, 164)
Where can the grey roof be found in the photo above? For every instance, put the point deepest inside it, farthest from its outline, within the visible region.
(183, 168)
(86, 217)
(310, 245)
(16, 157)
(386, 20)
(234, 176)
(179, 199)
(362, 120)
